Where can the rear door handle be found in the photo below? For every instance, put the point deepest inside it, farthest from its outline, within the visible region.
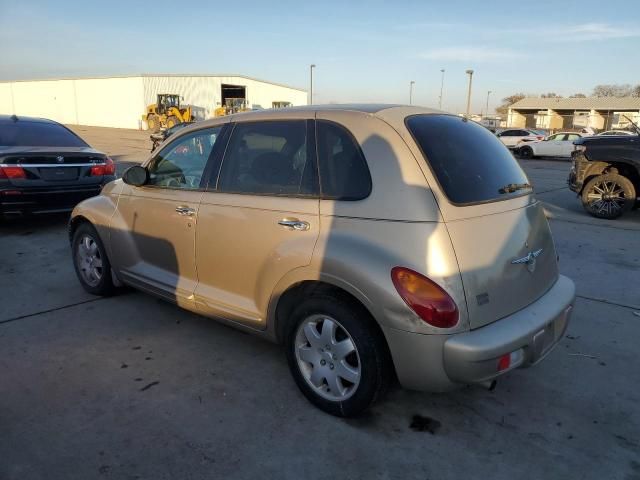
(294, 224)
(186, 211)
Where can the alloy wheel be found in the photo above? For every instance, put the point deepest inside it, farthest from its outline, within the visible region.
(606, 198)
(89, 260)
(327, 357)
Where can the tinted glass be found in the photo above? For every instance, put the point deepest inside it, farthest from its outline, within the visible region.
(344, 174)
(181, 163)
(268, 158)
(37, 134)
(471, 164)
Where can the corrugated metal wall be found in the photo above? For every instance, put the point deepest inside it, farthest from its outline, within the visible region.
(120, 101)
(204, 93)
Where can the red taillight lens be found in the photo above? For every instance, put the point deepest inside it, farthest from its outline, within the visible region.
(539, 137)
(426, 298)
(12, 172)
(107, 169)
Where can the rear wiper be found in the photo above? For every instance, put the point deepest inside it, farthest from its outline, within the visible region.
(514, 187)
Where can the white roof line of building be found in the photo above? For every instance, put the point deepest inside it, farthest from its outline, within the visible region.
(134, 75)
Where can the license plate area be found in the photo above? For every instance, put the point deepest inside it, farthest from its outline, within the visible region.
(54, 174)
(545, 339)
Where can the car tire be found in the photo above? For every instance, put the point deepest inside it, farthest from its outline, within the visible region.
(525, 152)
(608, 196)
(333, 343)
(91, 262)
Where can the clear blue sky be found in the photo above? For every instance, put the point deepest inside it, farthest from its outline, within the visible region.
(364, 51)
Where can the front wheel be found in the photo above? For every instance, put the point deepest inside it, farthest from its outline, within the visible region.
(337, 356)
(172, 121)
(153, 123)
(90, 261)
(608, 196)
(526, 152)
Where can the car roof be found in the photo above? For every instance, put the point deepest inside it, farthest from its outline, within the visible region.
(5, 119)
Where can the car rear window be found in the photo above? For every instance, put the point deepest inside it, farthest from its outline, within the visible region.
(38, 134)
(469, 162)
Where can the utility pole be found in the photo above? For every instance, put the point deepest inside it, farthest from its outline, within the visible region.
(441, 88)
(311, 67)
(470, 73)
(487, 110)
(411, 83)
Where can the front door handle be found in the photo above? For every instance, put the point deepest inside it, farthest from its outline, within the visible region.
(186, 211)
(294, 224)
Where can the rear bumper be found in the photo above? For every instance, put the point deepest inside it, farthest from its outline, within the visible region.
(17, 201)
(440, 362)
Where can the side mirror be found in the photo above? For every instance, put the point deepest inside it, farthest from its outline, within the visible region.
(136, 176)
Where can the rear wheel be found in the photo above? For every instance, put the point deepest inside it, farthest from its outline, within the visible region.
(153, 123)
(608, 196)
(526, 152)
(172, 121)
(90, 261)
(338, 359)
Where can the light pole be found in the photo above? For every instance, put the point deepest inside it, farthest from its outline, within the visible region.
(411, 84)
(470, 73)
(311, 67)
(441, 87)
(487, 110)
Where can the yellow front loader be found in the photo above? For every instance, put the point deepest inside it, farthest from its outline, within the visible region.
(167, 112)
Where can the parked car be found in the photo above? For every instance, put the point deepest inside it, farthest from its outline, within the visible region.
(606, 174)
(616, 132)
(158, 137)
(280, 223)
(45, 167)
(512, 137)
(556, 145)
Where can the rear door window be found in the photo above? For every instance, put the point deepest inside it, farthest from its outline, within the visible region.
(269, 158)
(344, 174)
(469, 162)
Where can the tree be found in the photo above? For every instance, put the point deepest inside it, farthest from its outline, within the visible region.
(636, 91)
(550, 95)
(508, 101)
(624, 90)
(578, 95)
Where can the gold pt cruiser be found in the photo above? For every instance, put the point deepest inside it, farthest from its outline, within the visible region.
(372, 241)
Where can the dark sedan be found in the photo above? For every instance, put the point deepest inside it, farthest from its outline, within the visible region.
(45, 167)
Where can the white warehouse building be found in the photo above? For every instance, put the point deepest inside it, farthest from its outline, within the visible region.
(121, 101)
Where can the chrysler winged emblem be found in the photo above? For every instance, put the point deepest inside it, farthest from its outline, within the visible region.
(60, 159)
(529, 260)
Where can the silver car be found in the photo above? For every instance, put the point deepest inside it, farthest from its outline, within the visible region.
(372, 241)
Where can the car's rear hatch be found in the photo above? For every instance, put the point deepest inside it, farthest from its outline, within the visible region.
(499, 232)
(52, 167)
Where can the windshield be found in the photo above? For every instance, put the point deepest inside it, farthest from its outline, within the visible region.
(38, 134)
(470, 163)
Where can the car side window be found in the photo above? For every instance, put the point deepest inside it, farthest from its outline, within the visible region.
(524, 133)
(552, 138)
(268, 158)
(181, 163)
(507, 133)
(572, 137)
(344, 174)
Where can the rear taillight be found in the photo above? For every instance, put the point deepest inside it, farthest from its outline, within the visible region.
(430, 302)
(12, 172)
(540, 137)
(108, 168)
